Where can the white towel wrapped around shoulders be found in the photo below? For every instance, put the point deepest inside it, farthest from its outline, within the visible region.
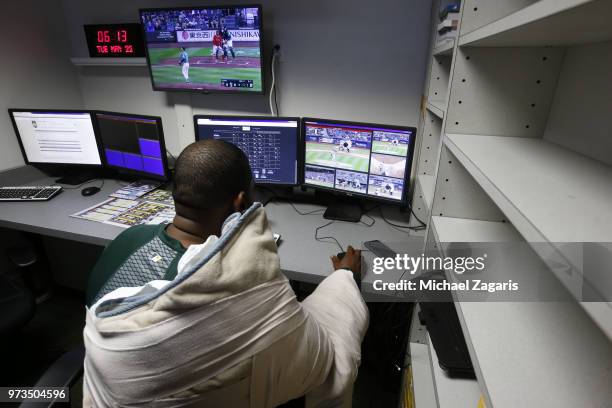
(227, 331)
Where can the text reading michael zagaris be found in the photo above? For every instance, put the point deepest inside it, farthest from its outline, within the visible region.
(475, 285)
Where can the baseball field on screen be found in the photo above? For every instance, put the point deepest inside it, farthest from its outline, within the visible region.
(321, 154)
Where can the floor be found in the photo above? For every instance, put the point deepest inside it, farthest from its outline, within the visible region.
(58, 323)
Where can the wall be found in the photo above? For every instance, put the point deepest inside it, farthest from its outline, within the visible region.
(345, 59)
(35, 70)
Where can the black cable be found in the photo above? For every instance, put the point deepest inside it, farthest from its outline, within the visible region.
(320, 239)
(410, 227)
(83, 183)
(423, 225)
(307, 212)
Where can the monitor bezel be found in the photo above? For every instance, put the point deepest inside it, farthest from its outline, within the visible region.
(298, 153)
(122, 170)
(49, 165)
(206, 91)
(407, 170)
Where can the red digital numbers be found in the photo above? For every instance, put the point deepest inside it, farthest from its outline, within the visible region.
(103, 36)
(122, 35)
(114, 40)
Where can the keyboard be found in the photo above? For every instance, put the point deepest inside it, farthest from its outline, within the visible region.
(29, 193)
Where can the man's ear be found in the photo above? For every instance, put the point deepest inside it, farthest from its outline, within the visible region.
(241, 202)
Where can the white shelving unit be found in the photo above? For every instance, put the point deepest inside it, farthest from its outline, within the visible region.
(529, 353)
(109, 62)
(545, 23)
(444, 49)
(436, 107)
(536, 197)
(513, 148)
(420, 363)
(427, 184)
(452, 392)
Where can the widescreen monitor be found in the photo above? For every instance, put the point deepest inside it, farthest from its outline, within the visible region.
(56, 137)
(206, 49)
(270, 143)
(361, 159)
(133, 144)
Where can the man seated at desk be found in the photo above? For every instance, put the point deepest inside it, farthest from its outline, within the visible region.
(216, 325)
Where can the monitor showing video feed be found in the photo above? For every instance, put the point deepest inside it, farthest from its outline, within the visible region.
(205, 49)
(358, 158)
(271, 144)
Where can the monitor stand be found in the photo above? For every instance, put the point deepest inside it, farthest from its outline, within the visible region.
(75, 179)
(343, 211)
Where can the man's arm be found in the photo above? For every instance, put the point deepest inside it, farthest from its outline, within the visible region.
(321, 358)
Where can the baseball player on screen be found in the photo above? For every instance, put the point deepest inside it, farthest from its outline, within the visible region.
(228, 42)
(184, 63)
(217, 45)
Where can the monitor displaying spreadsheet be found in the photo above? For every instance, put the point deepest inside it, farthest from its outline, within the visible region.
(270, 143)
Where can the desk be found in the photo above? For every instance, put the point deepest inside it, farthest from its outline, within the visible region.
(302, 257)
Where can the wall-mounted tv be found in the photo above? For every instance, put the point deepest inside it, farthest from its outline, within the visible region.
(204, 49)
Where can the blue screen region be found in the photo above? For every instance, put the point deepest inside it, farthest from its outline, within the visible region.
(270, 145)
(148, 161)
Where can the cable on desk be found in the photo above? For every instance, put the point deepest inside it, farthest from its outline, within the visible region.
(410, 227)
(83, 183)
(423, 225)
(320, 239)
(318, 210)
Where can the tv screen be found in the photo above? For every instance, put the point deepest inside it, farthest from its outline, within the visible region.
(206, 49)
(358, 158)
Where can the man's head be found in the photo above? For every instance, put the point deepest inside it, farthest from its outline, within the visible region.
(212, 179)
(183, 48)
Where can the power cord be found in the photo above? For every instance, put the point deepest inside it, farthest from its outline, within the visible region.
(273, 85)
(320, 239)
(83, 183)
(318, 210)
(409, 227)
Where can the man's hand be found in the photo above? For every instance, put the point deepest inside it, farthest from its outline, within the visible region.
(350, 261)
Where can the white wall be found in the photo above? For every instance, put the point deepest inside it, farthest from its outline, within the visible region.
(345, 59)
(35, 71)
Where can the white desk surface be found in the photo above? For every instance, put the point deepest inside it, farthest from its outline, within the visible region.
(302, 257)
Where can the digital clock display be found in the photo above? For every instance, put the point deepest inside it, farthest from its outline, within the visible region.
(114, 40)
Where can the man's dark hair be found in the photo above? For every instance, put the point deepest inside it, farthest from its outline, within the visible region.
(209, 173)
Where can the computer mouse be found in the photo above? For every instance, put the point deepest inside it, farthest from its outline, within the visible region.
(88, 191)
(340, 255)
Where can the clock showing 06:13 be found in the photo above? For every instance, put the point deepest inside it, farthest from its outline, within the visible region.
(114, 40)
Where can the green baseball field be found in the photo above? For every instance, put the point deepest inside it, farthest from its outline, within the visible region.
(321, 154)
(389, 148)
(204, 69)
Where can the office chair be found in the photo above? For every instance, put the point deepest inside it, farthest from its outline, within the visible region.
(17, 307)
(16, 303)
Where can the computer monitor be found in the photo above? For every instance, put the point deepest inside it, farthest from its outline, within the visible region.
(59, 141)
(133, 144)
(56, 137)
(358, 159)
(271, 143)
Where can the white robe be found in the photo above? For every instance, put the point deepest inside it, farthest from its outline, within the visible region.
(227, 332)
